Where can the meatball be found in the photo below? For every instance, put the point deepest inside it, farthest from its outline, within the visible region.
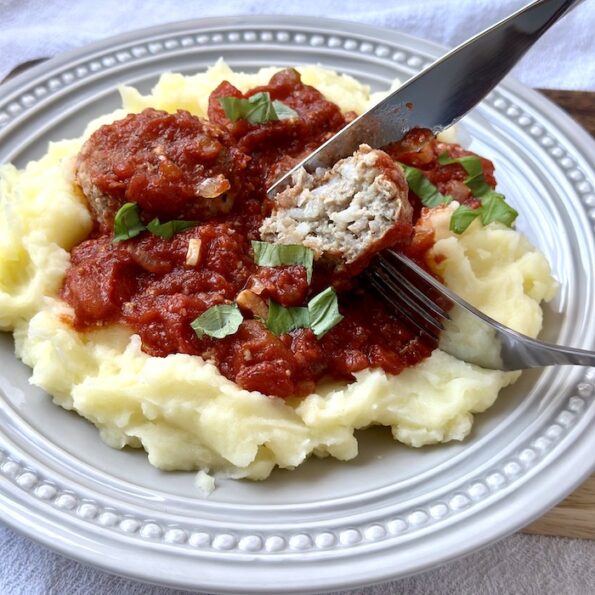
(171, 165)
(346, 213)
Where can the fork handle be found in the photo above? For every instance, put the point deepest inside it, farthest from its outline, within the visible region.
(536, 354)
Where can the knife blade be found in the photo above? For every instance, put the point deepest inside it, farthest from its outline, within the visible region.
(442, 94)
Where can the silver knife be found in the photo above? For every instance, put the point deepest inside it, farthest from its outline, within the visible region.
(439, 96)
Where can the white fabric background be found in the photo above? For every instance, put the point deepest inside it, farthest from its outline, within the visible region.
(565, 58)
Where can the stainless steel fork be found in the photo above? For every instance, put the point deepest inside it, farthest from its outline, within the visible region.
(456, 326)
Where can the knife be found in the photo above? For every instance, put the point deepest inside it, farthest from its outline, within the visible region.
(442, 94)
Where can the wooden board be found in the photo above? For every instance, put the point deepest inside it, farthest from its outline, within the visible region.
(575, 516)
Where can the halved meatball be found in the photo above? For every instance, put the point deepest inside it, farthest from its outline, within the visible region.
(346, 213)
(172, 165)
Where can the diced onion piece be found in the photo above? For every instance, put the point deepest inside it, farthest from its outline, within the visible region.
(248, 300)
(193, 254)
(213, 187)
(257, 286)
(204, 482)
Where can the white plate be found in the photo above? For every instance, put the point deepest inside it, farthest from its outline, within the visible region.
(328, 525)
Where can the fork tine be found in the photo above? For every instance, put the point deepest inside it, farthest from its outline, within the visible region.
(402, 304)
(393, 281)
(504, 349)
(393, 269)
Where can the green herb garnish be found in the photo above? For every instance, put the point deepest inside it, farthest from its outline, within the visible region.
(127, 223)
(274, 255)
(257, 109)
(493, 204)
(321, 315)
(475, 180)
(462, 218)
(284, 112)
(429, 195)
(168, 229)
(218, 321)
(495, 208)
(282, 320)
(324, 312)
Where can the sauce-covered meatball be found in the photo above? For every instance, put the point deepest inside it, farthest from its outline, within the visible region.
(171, 165)
(346, 213)
(279, 145)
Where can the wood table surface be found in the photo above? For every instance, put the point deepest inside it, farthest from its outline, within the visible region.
(575, 516)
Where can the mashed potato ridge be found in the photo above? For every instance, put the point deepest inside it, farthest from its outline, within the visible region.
(180, 408)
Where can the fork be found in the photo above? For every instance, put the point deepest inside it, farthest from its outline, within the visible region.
(447, 320)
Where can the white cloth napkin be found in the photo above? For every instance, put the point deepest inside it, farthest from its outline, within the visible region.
(563, 59)
(32, 29)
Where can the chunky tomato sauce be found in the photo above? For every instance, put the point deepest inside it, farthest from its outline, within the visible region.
(420, 149)
(157, 286)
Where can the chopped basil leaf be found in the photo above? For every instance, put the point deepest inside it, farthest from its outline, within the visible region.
(168, 229)
(478, 185)
(495, 208)
(429, 195)
(321, 315)
(218, 321)
(493, 204)
(127, 223)
(462, 218)
(274, 255)
(257, 109)
(281, 320)
(284, 112)
(232, 107)
(324, 312)
(472, 165)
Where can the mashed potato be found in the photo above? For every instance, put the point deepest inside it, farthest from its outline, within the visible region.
(180, 409)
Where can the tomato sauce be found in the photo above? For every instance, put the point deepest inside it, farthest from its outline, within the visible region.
(158, 286)
(421, 149)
